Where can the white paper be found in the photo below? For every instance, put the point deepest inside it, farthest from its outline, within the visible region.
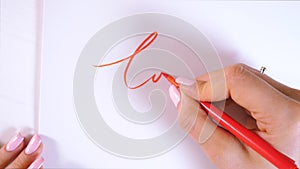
(255, 33)
(19, 67)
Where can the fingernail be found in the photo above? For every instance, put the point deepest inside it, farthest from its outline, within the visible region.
(36, 164)
(185, 81)
(33, 144)
(174, 95)
(14, 142)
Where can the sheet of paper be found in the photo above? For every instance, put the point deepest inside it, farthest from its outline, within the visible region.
(255, 33)
(19, 67)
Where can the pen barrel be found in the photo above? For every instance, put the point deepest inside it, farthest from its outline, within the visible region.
(254, 141)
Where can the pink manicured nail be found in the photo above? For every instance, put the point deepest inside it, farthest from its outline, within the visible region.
(174, 94)
(37, 163)
(14, 142)
(185, 81)
(33, 144)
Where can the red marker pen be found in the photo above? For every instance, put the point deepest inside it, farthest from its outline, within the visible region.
(254, 141)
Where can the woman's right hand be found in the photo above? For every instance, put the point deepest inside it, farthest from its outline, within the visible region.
(273, 108)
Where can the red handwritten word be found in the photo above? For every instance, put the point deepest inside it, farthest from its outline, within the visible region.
(145, 43)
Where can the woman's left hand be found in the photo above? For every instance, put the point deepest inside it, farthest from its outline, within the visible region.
(19, 153)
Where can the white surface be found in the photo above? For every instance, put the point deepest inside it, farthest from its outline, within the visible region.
(65, 142)
(256, 33)
(19, 30)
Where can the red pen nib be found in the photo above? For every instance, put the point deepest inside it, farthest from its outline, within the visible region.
(171, 79)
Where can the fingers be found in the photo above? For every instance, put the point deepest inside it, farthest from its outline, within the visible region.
(219, 145)
(29, 154)
(16, 155)
(11, 150)
(214, 140)
(246, 89)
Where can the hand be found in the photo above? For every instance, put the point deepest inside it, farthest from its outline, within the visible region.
(19, 153)
(273, 108)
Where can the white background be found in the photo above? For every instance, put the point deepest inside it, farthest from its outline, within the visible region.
(255, 33)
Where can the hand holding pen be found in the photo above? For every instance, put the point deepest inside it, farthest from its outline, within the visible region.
(273, 108)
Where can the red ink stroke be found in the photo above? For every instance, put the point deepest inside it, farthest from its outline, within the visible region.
(145, 43)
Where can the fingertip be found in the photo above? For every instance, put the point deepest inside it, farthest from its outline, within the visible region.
(11, 150)
(14, 142)
(196, 89)
(37, 164)
(31, 153)
(185, 81)
(192, 90)
(33, 144)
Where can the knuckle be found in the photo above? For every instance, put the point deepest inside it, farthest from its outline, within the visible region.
(23, 161)
(201, 88)
(235, 71)
(19, 163)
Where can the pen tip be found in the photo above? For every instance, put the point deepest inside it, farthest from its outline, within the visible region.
(170, 79)
(165, 74)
